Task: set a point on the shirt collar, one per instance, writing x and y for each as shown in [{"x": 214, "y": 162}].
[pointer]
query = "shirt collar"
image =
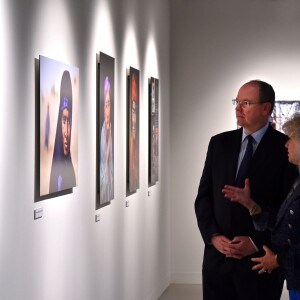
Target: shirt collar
[{"x": 257, "y": 135}]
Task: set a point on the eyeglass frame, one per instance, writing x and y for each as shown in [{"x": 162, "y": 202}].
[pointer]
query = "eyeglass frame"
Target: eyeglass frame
[{"x": 245, "y": 103}]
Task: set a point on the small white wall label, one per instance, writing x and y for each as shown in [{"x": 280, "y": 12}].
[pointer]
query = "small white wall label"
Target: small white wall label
[
  {"x": 97, "y": 217},
  {"x": 38, "y": 213}
]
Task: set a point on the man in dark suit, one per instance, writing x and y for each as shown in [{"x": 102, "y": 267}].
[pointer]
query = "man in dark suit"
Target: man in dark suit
[{"x": 226, "y": 227}]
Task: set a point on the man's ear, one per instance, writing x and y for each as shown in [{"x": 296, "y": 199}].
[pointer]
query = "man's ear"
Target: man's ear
[{"x": 267, "y": 107}]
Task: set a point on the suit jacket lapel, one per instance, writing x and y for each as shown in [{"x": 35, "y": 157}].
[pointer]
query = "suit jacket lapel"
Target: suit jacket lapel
[{"x": 234, "y": 154}]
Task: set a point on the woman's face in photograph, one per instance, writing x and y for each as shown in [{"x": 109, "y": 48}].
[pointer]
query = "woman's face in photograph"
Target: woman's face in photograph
[{"x": 66, "y": 131}]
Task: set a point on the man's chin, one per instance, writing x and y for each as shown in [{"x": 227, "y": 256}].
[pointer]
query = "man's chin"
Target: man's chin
[{"x": 239, "y": 122}]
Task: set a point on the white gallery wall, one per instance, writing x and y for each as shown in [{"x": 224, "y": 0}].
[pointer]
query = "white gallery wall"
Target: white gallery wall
[
  {"x": 66, "y": 255},
  {"x": 216, "y": 46}
]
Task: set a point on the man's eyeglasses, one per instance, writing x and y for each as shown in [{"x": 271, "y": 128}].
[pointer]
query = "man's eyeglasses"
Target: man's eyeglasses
[{"x": 244, "y": 104}]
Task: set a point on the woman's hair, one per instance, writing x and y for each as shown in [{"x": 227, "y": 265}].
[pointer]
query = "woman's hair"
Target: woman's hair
[{"x": 292, "y": 126}]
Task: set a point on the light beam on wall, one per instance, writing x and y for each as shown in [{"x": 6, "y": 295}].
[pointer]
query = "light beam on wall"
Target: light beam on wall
[
  {"x": 130, "y": 58},
  {"x": 130, "y": 54},
  {"x": 151, "y": 64},
  {"x": 103, "y": 31},
  {"x": 54, "y": 36},
  {"x": 102, "y": 40},
  {"x": 150, "y": 70}
]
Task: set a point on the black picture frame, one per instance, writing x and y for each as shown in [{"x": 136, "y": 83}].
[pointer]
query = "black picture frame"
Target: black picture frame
[
  {"x": 105, "y": 130},
  {"x": 133, "y": 130},
  {"x": 153, "y": 165},
  {"x": 57, "y": 127}
]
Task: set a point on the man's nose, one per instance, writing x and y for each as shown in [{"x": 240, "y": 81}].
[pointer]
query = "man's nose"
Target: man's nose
[{"x": 238, "y": 107}]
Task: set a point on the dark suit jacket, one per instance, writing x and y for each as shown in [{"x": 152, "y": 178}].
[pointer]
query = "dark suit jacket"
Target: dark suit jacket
[
  {"x": 286, "y": 239},
  {"x": 271, "y": 177}
]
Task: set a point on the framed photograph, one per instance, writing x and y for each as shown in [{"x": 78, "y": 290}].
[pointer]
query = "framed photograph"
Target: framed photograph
[
  {"x": 282, "y": 111},
  {"x": 105, "y": 130},
  {"x": 58, "y": 143},
  {"x": 153, "y": 131},
  {"x": 133, "y": 111}
]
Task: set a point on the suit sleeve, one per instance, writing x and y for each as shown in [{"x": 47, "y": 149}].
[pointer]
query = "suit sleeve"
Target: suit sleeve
[{"x": 204, "y": 202}]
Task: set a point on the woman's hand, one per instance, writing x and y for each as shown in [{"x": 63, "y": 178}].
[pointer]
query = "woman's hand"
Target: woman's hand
[
  {"x": 266, "y": 263},
  {"x": 239, "y": 195}
]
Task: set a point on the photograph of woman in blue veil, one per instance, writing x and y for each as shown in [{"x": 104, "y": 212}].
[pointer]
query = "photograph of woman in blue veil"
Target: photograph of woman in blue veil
[{"x": 62, "y": 171}]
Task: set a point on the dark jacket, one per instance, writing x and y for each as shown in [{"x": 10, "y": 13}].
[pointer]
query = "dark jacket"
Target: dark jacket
[
  {"x": 286, "y": 239},
  {"x": 270, "y": 174}
]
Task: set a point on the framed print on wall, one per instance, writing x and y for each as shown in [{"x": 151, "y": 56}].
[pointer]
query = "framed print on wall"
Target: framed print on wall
[
  {"x": 59, "y": 96},
  {"x": 282, "y": 111},
  {"x": 133, "y": 111},
  {"x": 153, "y": 131},
  {"x": 105, "y": 131}
]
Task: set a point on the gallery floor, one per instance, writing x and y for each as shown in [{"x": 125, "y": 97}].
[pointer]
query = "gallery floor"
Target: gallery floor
[{"x": 192, "y": 292}]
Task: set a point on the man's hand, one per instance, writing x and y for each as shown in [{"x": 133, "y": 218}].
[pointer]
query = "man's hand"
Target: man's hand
[
  {"x": 239, "y": 247},
  {"x": 221, "y": 242}
]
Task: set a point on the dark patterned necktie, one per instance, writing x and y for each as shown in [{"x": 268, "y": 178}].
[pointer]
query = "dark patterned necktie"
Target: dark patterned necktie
[{"x": 241, "y": 176}]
